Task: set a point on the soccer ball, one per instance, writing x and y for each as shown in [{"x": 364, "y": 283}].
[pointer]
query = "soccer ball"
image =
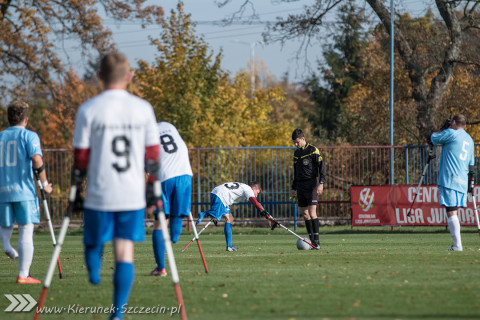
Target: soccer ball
[{"x": 301, "y": 245}]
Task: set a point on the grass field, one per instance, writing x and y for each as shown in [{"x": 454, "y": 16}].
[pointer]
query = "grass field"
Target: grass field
[{"x": 359, "y": 274}]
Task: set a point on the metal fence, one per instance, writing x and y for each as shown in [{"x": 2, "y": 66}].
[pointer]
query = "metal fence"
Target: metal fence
[{"x": 272, "y": 167}]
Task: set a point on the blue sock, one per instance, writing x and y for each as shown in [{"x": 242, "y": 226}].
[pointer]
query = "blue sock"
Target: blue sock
[
  {"x": 159, "y": 249},
  {"x": 175, "y": 228},
  {"x": 201, "y": 215},
  {"x": 93, "y": 260},
  {"x": 228, "y": 234},
  {"x": 122, "y": 284}
]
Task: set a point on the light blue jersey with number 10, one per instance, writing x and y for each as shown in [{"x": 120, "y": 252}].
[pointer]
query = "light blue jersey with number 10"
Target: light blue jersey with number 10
[
  {"x": 457, "y": 156},
  {"x": 17, "y": 146}
]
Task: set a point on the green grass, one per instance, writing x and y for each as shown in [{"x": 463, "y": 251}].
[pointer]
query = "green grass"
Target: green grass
[{"x": 359, "y": 274}]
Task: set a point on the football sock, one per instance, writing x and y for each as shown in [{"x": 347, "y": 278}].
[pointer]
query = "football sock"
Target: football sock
[
  {"x": 316, "y": 226},
  {"x": 175, "y": 228},
  {"x": 309, "y": 226},
  {"x": 25, "y": 249},
  {"x": 228, "y": 234},
  {"x": 122, "y": 283},
  {"x": 159, "y": 248},
  {"x": 5, "y": 235},
  {"x": 201, "y": 215},
  {"x": 93, "y": 260},
  {"x": 454, "y": 226}
]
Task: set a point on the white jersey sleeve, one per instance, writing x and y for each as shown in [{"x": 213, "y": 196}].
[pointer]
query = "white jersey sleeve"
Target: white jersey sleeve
[
  {"x": 117, "y": 127},
  {"x": 233, "y": 192},
  {"x": 174, "y": 160}
]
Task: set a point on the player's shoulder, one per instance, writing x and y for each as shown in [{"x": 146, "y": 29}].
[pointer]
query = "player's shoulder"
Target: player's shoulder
[
  {"x": 312, "y": 149},
  {"x": 31, "y": 134},
  {"x": 245, "y": 186},
  {"x": 467, "y": 135},
  {"x": 164, "y": 125}
]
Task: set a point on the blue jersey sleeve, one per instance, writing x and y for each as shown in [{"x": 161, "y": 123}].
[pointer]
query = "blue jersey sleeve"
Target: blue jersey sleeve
[
  {"x": 443, "y": 137},
  {"x": 33, "y": 144}
]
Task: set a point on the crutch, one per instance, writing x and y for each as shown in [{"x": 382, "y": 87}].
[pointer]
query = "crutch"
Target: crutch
[
  {"x": 198, "y": 242},
  {"x": 476, "y": 213},
  {"x": 57, "y": 249},
  {"x": 171, "y": 257},
  {"x": 49, "y": 221},
  {"x": 431, "y": 156},
  {"x": 269, "y": 217},
  {"x": 196, "y": 237}
]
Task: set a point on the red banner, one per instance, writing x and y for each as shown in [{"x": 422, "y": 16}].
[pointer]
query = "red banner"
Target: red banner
[{"x": 388, "y": 206}]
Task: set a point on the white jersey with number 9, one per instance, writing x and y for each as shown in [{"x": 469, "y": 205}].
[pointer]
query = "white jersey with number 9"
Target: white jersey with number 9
[{"x": 117, "y": 127}]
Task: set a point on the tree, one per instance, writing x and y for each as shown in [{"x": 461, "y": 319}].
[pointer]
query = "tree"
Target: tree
[
  {"x": 56, "y": 122},
  {"x": 344, "y": 68},
  {"x": 429, "y": 81},
  {"x": 30, "y": 31},
  {"x": 367, "y": 106},
  {"x": 188, "y": 88}
]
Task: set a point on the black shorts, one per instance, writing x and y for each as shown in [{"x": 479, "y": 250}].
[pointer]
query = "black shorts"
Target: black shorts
[{"x": 307, "y": 193}]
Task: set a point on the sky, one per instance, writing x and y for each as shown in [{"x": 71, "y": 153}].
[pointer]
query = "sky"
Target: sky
[{"x": 238, "y": 41}]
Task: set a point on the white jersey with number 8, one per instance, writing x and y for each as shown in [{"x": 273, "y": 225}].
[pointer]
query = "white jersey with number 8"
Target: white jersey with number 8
[
  {"x": 174, "y": 161},
  {"x": 117, "y": 127}
]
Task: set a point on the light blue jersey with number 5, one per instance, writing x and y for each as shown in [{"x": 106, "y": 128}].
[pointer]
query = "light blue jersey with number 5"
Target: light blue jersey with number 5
[
  {"x": 17, "y": 146},
  {"x": 456, "y": 157}
]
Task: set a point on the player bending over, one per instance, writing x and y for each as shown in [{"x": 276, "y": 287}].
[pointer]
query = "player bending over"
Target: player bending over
[{"x": 223, "y": 196}]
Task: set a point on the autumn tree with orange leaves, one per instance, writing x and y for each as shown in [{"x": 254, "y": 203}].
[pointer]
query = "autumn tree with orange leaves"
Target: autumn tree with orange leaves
[
  {"x": 32, "y": 31},
  {"x": 188, "y": 88}
]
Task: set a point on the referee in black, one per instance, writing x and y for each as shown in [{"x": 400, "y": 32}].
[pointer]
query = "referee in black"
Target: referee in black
[{"x": 308, "y": 178}]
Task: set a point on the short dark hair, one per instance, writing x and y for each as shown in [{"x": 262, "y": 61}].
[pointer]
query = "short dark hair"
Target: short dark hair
[
  {"x": 255, "y": 184},
  {"x": 17, "y": 112},
  {"x": 460, "y": 120},
  {"x": 114, "y": 66},
  {"x": 297, "y": 133}
]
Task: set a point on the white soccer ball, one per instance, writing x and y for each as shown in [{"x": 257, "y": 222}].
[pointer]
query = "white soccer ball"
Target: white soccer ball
[{"x": 301, "y": 245}]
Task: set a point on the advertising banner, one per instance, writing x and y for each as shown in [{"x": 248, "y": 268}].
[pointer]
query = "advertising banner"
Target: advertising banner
[{"x": 388, "y": 205}]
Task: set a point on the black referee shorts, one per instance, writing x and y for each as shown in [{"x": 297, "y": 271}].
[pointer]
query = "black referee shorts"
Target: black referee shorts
[{"x": 307, "y": 193}]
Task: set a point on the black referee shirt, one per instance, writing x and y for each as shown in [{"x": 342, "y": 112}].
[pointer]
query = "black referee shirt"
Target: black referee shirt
[{"x": 307, "y": 164}]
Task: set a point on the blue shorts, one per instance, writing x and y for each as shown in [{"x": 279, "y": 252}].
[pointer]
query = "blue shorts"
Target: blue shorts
[
  {"x": 217, "y": 209},
  {"x": 104, "y": 226},
  {"x": 177, "y": 196},
  {"x": 451, "y": 198},
  {"x": 23, "y": 212}
]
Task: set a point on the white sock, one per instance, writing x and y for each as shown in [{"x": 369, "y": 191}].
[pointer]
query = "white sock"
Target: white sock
[
  {"x": 454, "y": 226},
  {"x": 25, "y": 249},
  {"x": 5, "y": 235}
]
